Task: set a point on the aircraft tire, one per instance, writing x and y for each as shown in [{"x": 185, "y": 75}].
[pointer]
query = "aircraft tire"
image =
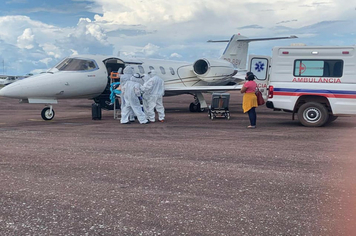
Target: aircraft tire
[
  {"x": 46, "y": 115},
  {"x": 193, "y": 107}
]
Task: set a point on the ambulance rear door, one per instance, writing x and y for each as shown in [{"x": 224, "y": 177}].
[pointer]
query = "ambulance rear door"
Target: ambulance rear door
[{"x": 260, "y": 65}]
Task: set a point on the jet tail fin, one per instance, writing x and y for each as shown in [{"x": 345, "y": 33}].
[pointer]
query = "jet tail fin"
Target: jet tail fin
[{"x": 237, "y": 48}]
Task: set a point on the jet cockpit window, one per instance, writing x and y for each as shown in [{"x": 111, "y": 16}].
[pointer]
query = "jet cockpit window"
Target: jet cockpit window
[
  {"x": 74, "y": 64},
  {"x": 163, "y": 71}
]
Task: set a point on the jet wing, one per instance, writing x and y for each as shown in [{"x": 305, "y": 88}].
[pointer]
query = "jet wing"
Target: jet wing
[{"x": 202, "y": 88}]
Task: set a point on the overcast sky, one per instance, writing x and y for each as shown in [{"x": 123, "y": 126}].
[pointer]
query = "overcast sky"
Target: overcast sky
[{"x": 35, "y": 35}]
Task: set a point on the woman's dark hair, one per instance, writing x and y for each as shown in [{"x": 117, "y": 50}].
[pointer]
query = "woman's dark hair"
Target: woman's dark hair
[{"x": 250, "y": 76}]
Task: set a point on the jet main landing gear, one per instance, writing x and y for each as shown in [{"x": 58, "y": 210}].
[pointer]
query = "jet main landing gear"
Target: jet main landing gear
[{"x": 196, "y": 106}]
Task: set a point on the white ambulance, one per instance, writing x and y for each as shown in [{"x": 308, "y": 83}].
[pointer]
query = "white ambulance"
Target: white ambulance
[{"x": 316, "y": 83}]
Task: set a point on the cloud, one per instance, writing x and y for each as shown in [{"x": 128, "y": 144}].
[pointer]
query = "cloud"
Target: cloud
[
  {"x": 38, "y": 42},
  {"x": 16, "y": 1},
  {"x": 286, "y": 21},
  {"x": 175, "y": 55},
  {"x": 251, "y": 27},
  {"x": 46, "y": 61},
  {"x": 92, "y": 31},
  {"x": 149, "y": 50},
  {"x": 161, "y": 29},
  {"x": 26, "y": 40}
]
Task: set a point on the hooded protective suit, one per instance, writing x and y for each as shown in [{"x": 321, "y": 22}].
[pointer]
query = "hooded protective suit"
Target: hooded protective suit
[
  {"x": 137, "y": 78},
  {"x": 153, "y": 91},
  {"x": 128, "y": 73},
  {"x": 132, "y": 92}
]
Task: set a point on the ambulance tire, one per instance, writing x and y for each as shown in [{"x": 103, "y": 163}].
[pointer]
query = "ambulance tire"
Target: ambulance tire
[
  {"x": 313, "y": 114},
  {"x": 331, "y": 118}
]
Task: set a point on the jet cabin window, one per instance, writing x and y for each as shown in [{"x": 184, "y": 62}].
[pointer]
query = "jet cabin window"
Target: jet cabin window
[
  {"x": 172, "y": 70},
  {"x": 73, "y": 64},
  {"x": 163, "y": 71},
  {"x": 140, "y": 68},
  {"x": 318, "y": 68}
]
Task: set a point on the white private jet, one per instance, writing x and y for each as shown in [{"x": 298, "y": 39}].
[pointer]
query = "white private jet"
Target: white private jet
[{"x": 87, "y": 76}]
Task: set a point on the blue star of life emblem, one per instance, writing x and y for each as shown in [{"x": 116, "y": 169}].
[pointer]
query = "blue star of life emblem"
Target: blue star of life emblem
[{"x": 259, "y": 66}]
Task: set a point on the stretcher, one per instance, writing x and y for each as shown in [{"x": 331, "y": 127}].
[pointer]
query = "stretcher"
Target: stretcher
[{"x": 219, "y": 106}]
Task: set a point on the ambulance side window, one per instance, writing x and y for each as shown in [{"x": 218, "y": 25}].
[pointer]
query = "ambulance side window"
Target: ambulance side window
[{"x": 318, "y": 68}]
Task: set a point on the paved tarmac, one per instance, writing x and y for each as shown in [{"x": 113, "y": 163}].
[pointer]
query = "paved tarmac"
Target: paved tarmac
[{"x": 187, "y": 176}]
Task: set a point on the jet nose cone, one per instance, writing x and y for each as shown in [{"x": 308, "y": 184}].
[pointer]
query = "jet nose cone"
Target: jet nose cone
[
  {"x": 10, "y": 91},
  {"x": 2, "y": 93}
]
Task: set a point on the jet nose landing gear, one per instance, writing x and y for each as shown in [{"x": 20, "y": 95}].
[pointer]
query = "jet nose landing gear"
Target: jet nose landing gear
[{"x": 47, "y": 113}]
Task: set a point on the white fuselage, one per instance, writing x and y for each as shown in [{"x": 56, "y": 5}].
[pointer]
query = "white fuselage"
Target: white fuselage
[{"x": 61, "y": 84}]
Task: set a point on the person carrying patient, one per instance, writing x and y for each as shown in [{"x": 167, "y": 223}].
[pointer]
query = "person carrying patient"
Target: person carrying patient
[
  {"x": 131, "y": 92},
  {"x": 153, "y": 91}
]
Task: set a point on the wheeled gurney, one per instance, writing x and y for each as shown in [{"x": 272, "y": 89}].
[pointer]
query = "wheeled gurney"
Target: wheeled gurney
[{"x": 219, "y": 106}]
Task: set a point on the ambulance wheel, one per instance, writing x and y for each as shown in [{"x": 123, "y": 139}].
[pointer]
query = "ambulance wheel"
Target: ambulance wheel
[
  {"x": 227, "y": 115},
  {"x": 46, "y": 114},
  {"x": 313, "y": 114},
  {"x": 332, "y": 118}
]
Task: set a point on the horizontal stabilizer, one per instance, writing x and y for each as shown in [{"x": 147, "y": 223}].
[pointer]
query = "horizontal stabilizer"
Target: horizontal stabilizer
[
  {"x": 252, "y": 39},
  {"x": 264, "y": 39},
  {"x": 218, "y": 41}
]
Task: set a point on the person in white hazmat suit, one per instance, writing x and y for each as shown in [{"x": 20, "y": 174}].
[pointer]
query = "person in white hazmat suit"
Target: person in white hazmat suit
[
  {"x": 137, "y": 78},
  {"x": 132, "y": 92},
  {"x": 153, "y": 91},
  {"x": 126, "y": 76},
  {"x": 145, "y": 78}
]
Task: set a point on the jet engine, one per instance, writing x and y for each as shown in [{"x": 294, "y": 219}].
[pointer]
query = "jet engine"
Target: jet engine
[{"x": 210, "y": 70}]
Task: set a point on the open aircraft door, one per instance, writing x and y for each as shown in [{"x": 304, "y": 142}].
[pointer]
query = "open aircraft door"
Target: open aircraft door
[{"x": 260, "y": 65}]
